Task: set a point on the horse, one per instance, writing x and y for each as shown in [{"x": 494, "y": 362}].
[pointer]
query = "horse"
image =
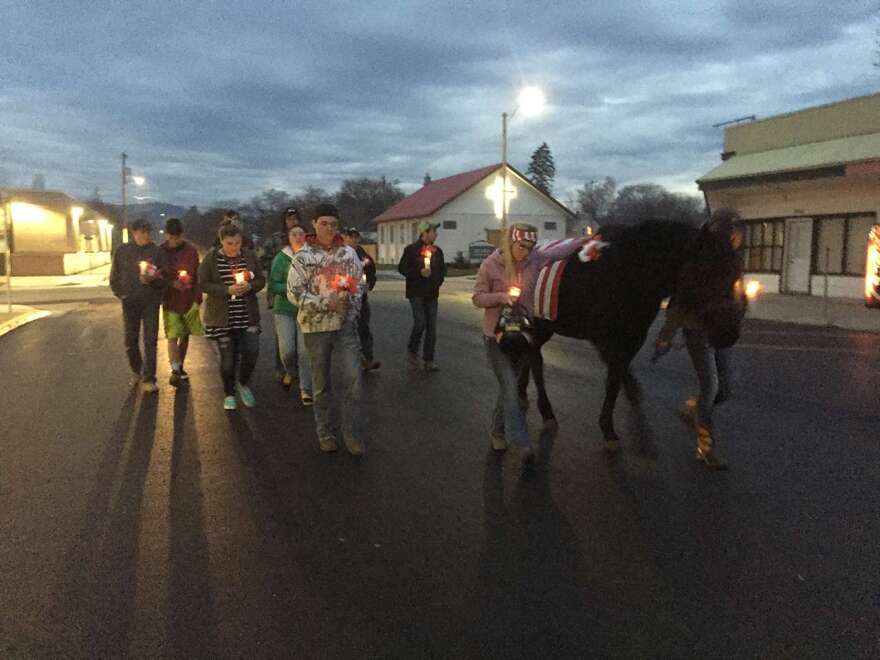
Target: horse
[{"x": 612, "y": 298}]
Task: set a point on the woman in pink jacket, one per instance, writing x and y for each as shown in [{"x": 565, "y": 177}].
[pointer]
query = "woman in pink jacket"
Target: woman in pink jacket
[{"x": 492, "y": 293}]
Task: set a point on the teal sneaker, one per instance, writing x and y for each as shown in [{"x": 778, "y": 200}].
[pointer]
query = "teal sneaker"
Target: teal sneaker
[
  {"x": 247, "y": 397},
  {"x": 229, "y": 403}
]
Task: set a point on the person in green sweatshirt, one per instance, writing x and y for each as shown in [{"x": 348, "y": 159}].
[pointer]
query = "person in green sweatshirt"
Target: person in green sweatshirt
[{"x": 291, "y": 346}]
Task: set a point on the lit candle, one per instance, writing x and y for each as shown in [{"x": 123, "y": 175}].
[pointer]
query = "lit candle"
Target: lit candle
[
  {"x": 426, "y": 254},
  {"x": 143, "y": 265},
  {"x": 515, "y": 292},
  {"x": 239, "y": 277},
  {"x": 753, "y": 289}
]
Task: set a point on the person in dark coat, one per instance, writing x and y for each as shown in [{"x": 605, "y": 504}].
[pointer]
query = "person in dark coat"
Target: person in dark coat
[
  {"x": 352, "y": 238},
  {"x": 424, "y": 268},
  {"x": 137, "y": 279}
]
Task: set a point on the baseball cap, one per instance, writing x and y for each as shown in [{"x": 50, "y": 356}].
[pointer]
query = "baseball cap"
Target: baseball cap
[
  {"x": 424, "y": 226},
  {"x": 352, "y": 231},
  {"x": 292, "y": 211}
]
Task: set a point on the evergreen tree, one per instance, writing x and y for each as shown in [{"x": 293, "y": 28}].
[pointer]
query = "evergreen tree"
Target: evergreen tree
[
  {"x": 542, "y": 170},
  {"x": 427, "y": 179}
]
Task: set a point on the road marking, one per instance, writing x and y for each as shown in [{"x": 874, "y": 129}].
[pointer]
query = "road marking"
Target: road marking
[{"x": 21, "y": 320}]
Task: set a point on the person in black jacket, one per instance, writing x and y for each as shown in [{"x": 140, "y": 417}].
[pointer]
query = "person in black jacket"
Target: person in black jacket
[
  {"x": 137, "y": 278},
  {"x": 423, "y": 267},
  {"x": 352, "y": 238}
]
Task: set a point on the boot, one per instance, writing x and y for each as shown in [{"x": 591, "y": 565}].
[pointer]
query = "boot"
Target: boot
[{"x": 706, "y": 453}]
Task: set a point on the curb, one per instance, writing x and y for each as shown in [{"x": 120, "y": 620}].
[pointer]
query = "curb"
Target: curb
[{"x": 22, "y": 319}]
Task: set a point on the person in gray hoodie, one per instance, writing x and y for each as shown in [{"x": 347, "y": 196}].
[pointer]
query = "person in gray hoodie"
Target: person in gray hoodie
[{"x": 137, "y": 278}]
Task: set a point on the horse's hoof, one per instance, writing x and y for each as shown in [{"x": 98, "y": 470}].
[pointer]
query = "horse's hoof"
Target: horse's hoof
[
  {"x": 612, "y": 445},
  {"x": 550, "y": 424}
]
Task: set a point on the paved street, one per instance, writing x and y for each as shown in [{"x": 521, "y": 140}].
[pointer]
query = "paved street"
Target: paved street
[{"x": 161, "y": 526}]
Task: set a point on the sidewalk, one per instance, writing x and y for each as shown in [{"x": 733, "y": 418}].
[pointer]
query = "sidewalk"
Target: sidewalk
[
  {"x": 846, "y": 313},
  {"x": 20, "y": 315},
  {"x": 99, "y": 276}
]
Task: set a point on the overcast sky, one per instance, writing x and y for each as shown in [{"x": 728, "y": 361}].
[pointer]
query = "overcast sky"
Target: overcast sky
[{"x": 222, "y": 100}]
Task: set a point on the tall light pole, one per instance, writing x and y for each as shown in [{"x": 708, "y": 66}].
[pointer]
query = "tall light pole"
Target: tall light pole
[
  {"x": 531, "y": 101},
  {"x": 139, "y": 181},
  {"x": 125, "y": 173}
]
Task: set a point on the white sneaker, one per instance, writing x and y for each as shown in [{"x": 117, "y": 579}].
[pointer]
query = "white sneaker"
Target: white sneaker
[
  {"x": 229, "y": 403},
  {"x": 247, "y": 397}
]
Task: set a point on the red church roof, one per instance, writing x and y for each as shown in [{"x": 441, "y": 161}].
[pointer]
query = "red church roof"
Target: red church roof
[{"x": 435, "y": 195}]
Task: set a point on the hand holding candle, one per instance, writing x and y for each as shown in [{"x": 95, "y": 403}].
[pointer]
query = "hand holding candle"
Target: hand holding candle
[
  {"x": 515, "y": 293},
  {"x": 753, "y": 290}
]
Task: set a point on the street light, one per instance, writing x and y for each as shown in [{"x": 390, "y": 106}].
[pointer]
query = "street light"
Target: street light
[
  {"x": 138, "y": 181},
  {"x": 531, "y": 101}
]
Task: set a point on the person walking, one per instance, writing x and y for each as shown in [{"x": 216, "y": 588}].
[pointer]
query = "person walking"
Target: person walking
[
  {"x": 291, "y": 346},
  {"x": 271, "y": 247},
  {"x": 180, "y": 303},
  {"x": 231, "y": 277},
  {"x": 503, "y": 296},
  {"x": 137, "y": 279},
  {"x": 424, "y": 268},
  {"x": 352, "y": 238},
  {"x": 325, "y": 284},
  {"x": 711, "y": 365}
]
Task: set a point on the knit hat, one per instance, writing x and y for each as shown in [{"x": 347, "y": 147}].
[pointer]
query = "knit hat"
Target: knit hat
[{"x": 523, "y": 232}]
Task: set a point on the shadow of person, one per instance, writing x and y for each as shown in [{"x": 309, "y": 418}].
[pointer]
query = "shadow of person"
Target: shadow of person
[
  {"x": 190, "y": 623},
  {"x": 109, "y": 590},
  {"x": 531, "y": 604}
]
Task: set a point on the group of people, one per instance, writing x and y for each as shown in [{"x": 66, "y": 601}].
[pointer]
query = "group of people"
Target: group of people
[{"x": 318, "y": 286}]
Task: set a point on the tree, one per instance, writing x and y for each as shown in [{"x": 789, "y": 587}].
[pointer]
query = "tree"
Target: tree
[
  {"x": 306, "y": 201},
  {"x": 645, "y": 201},
  {"x": 594, "y": 199},
  {"x": 427, "y": 179},
  {"x": 542, "y": 170},
  {"x": 361, "y": 200},
  {"x": 266, "y": 210}
]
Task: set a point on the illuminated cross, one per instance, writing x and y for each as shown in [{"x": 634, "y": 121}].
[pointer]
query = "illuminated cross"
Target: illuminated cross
[{"x": 493, "y": 193}]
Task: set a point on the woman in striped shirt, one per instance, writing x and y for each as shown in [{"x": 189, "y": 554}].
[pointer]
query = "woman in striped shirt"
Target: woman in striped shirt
[{"x": 231, "y": 276}]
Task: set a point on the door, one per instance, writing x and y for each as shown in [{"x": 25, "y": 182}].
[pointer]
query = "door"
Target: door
[{"x": 798, "y": 248}]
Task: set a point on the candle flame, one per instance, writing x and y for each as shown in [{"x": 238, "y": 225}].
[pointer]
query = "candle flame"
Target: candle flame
[
  {"x": 754, "y": 289},
  {"x": 239, "y": 277},
  {"x": 515, "y": 291}
]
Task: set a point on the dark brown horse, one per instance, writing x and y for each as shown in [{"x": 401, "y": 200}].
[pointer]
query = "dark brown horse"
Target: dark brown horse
[{"x": 613, "y": 300}]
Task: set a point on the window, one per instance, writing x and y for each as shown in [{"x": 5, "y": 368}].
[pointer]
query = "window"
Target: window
[
  {"x": 550, "y": 226},
  {"x": 857, "y": 243},
  {"x": 415, "y": 233},
  {"x": 762, "y": 246},
  {"x": 381, "y": 233},
  {"x": 391, "y": 234},
  {"x": 829, "y": 253},
  {"x": 450, "y": 224}
]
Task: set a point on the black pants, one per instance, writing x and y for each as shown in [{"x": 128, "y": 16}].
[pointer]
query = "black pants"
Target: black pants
[
  {"x": 364, "y": 332},
  {"x": 239, "y": 351},
  {"x": 137, "y": 312}
]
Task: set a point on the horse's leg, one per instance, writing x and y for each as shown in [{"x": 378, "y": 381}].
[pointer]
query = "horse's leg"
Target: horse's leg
[
  {"x": 613, "y": 381},
  {"x": 544, "y": 406},
  {"x": 633, "y": 391},
  {"x": 524, "y": 366}
]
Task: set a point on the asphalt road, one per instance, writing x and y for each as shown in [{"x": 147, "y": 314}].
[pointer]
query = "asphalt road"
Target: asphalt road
[{"x": 160, "y": 526}]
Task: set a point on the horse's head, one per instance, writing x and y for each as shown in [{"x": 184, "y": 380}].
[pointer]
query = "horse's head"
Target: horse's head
[{"x": 711, "y": 285}]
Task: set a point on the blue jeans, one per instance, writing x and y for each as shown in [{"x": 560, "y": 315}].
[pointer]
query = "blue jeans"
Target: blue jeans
[
  {"x": 424, "y": 321},
  {"x": 292, "y": 349},
  {"x": 136, "y": 311},
  {"x": 507, "y": 418},
  {"x": 713, "y": 373},
  {"x": 321, "y": 347},
  {"x": 239, "y": 351}
]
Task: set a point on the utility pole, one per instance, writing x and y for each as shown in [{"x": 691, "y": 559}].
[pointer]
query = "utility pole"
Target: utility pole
[
  {"x": 124, "y": 201},
  {"x": 7, "y": 248}
]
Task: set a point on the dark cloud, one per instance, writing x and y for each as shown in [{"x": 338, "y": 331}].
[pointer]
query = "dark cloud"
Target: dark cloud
[{"x": 223, "y": 100}]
